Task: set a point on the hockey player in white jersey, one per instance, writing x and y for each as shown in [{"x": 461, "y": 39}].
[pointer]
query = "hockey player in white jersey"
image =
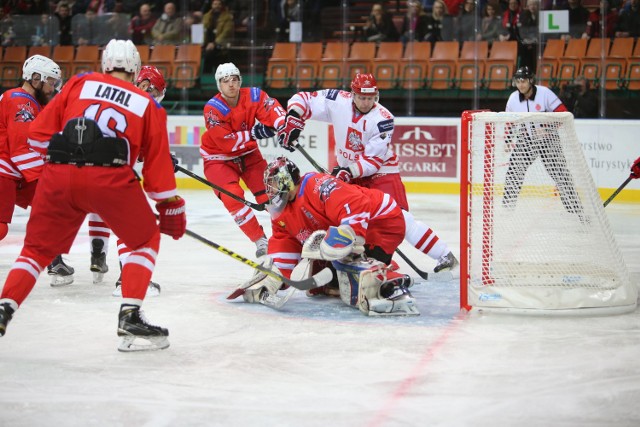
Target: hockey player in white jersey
[{"x": 363, "y": 131}]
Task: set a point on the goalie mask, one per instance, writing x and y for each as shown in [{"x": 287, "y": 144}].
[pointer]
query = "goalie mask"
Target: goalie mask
[{"x": 280, "y": 179}]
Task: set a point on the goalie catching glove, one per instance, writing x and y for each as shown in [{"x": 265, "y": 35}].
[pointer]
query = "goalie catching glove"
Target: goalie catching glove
[
  {"x": 290, "y": 132},
  {"x": 173, "y": 218},
  {"x": 340, "y": 242}
]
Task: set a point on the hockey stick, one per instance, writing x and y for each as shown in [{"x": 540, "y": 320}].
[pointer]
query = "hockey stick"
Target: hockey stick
[
  {"x": 315, "y": 281},
  {"x": 615, "y": 193},
  {"x": 415, "y": 268},
  {"x": 256, "y": 206}
]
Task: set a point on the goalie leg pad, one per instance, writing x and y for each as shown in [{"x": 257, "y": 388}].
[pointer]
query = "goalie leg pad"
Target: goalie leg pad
[{"x": 350, "y": 274}]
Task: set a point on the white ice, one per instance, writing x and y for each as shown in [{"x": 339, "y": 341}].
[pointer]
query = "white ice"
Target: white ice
[{"x": 317, "y": 362}]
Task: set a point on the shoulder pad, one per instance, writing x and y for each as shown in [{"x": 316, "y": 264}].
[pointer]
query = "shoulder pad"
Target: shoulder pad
[{"x": 216, "y": 104}]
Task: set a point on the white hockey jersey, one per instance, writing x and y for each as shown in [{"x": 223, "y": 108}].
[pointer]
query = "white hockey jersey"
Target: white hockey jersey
[
  {"x": 363, "y": 141},
  {"x": 543, "y": 100}
]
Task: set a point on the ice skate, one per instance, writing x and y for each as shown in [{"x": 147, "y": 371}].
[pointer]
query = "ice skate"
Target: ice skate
[
  {"x": 446, "y": 263},
  {"x": 6, "y": 314},
  {"x": 394, "y": 298},
  {"x": 137, "y": 333},
  {"x": 261, "y": 247},
  {"x": 61, "y": 274},
  {"x": 153, "y": 290},
  {"x": 98, "y": 260}
]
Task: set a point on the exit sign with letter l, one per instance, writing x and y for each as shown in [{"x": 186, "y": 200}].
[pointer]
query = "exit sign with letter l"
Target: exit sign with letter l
[{"x": 554, "y": 21}]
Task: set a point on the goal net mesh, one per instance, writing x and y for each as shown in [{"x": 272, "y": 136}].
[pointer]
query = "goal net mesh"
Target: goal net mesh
[{"x": 537, "y": 235}]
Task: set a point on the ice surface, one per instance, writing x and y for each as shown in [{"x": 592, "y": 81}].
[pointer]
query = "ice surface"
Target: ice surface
[{"x": 316, "y": 363}]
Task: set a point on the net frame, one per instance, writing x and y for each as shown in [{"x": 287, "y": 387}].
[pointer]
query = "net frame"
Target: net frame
[{"x": 566, "y": 261}]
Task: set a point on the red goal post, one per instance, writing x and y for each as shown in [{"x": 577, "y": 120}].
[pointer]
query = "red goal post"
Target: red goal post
[{"x": 534, "y": 236}]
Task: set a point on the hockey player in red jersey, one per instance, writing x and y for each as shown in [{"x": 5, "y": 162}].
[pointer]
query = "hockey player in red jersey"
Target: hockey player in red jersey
[
  {"x": 20, "y": 166},
  {"x": 363, "y": 131},
  {"x": 229, "y": 146},
  {"x": 150, "y": 80},
  {"x": 93, "y": 131},
  {"x": 321, "y": 217}
]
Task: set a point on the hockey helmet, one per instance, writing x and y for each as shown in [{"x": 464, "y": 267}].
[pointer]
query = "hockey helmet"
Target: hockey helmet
[
  {"x": 280, "y": 178},
  {"x": 364, "y": 84},
  {"x": 121, "y": 55},
  {"x": 226, "y": 70},
  {"x": 45, "y": 67},
  {"x": 157, "y": 85},
  {"x": 523, "y": 73}
]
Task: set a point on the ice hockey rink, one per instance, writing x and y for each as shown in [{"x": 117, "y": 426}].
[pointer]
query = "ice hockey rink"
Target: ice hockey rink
[{"x": 315, "y": 363}]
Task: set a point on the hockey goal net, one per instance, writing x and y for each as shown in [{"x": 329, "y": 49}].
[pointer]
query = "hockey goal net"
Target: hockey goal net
[{"x": 534, "y": 235}]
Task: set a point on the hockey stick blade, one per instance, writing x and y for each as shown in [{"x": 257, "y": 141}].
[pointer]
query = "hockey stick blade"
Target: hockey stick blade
[
  {"x": 256, "y": 206},
  {"x": 315, "y": 281}
]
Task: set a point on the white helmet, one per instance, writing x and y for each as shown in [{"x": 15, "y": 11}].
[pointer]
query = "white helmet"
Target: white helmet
[
  {"x": 225, "y": 70},
  {"x": 121, "y": 55},
  {"x": 44, "y": 66}
]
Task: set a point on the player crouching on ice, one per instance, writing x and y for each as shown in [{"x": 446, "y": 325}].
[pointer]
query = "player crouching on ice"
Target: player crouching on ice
[{"x": 318, "y": 218}]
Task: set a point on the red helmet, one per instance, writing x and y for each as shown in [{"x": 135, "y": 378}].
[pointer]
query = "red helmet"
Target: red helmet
[
  {"x": 156, "y": 81},
  {"x": 364, "y": 84}
]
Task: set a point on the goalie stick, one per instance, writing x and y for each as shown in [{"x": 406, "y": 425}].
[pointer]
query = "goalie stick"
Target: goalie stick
[
  {"x": 256, "y": 206},
  {"x": 423, "y": 274},
  {"x": 315, "y": 281}
]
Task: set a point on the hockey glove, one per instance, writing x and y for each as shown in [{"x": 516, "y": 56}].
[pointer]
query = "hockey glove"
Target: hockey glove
[
  {"x": 173, "y": 218},
  {"x": 260, "y": 131},
  {"x": 635, "y": 169},
  {"x": 340, "y": 242},
  {"x": 343, "y": 174},
  {"x": 288, "y": 135},
  {"x": 175, "y": 161}
]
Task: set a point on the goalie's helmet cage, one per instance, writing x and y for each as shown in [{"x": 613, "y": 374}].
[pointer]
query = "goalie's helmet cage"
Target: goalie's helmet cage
[
  {"x": 156, "y": 80},
  {"x": 280, "y": 178},
  {"x": 121, "y": 55},
  {"x": 225, "y": 70},
  {"x": 45, "y": 67}
]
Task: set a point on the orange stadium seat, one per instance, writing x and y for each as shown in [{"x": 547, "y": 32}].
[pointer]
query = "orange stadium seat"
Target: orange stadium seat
[
  {"x": 414, "y": 64},
  {"x": 307, "y": 65},
  {"x": 280, "y": 65},
  {"x": 386, "y": 64}
]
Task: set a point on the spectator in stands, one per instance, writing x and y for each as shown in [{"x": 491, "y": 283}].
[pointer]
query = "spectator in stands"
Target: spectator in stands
[
  {"x": 580, "y": 99},
  {"x": 554, "y": 5},
  {"x": 168, "y": 29},
  {"x": 85, "y": 29},
  {"x": 466, "y": 22},
  {"x": 491, "y": 26},
  {"x": 629, "y": 21},
  {"x": 595, "y": 20},
  {"x": 578, "y": 17},
  {"x": 414, "y": 25},
  {"x": 453, "y": 7},
  {"x": 380, "y": 26},
  {"x": 291, "y": 12},
  {"x": 63, "y": 14},
  {"x": 141, "y": 25},
  {"x": 219, "y": 29},
  {"x": 510, "y": 21},
  {"x": 435, "y": 22},
  {"x": 528, "y": 24}
]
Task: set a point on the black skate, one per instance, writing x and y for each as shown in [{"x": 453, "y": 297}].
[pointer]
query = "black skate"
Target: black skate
[
  {"x": 98, "y": 260},
  {"x": 6, "y": 314},
  {"x": 61, "y": 274},
  {"x": 153, "y": 290},
  {"x": 137, "y": 334},
  {"x": 446, "y": 263}
]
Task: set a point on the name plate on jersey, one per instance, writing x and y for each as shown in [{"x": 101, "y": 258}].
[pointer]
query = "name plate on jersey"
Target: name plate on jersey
[{"x": 124, "y": 98}]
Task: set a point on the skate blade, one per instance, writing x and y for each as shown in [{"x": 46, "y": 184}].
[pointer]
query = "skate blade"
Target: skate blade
[
  {"x": 97, "y": 277},
  {"x": 136, "y": 343},
  {"x": 57, "y": 281},
  {"x": 152, "y": 291},
  {"x": 413, "y": 312}
]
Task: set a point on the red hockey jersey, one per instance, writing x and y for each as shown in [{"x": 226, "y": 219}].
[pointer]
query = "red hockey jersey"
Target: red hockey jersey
[
  {"x": 323, "y": 201},
  {"x": 17, "y": 160},
  {"x": 121, "y": 110},
  {"x": 228, "y": 132}
]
